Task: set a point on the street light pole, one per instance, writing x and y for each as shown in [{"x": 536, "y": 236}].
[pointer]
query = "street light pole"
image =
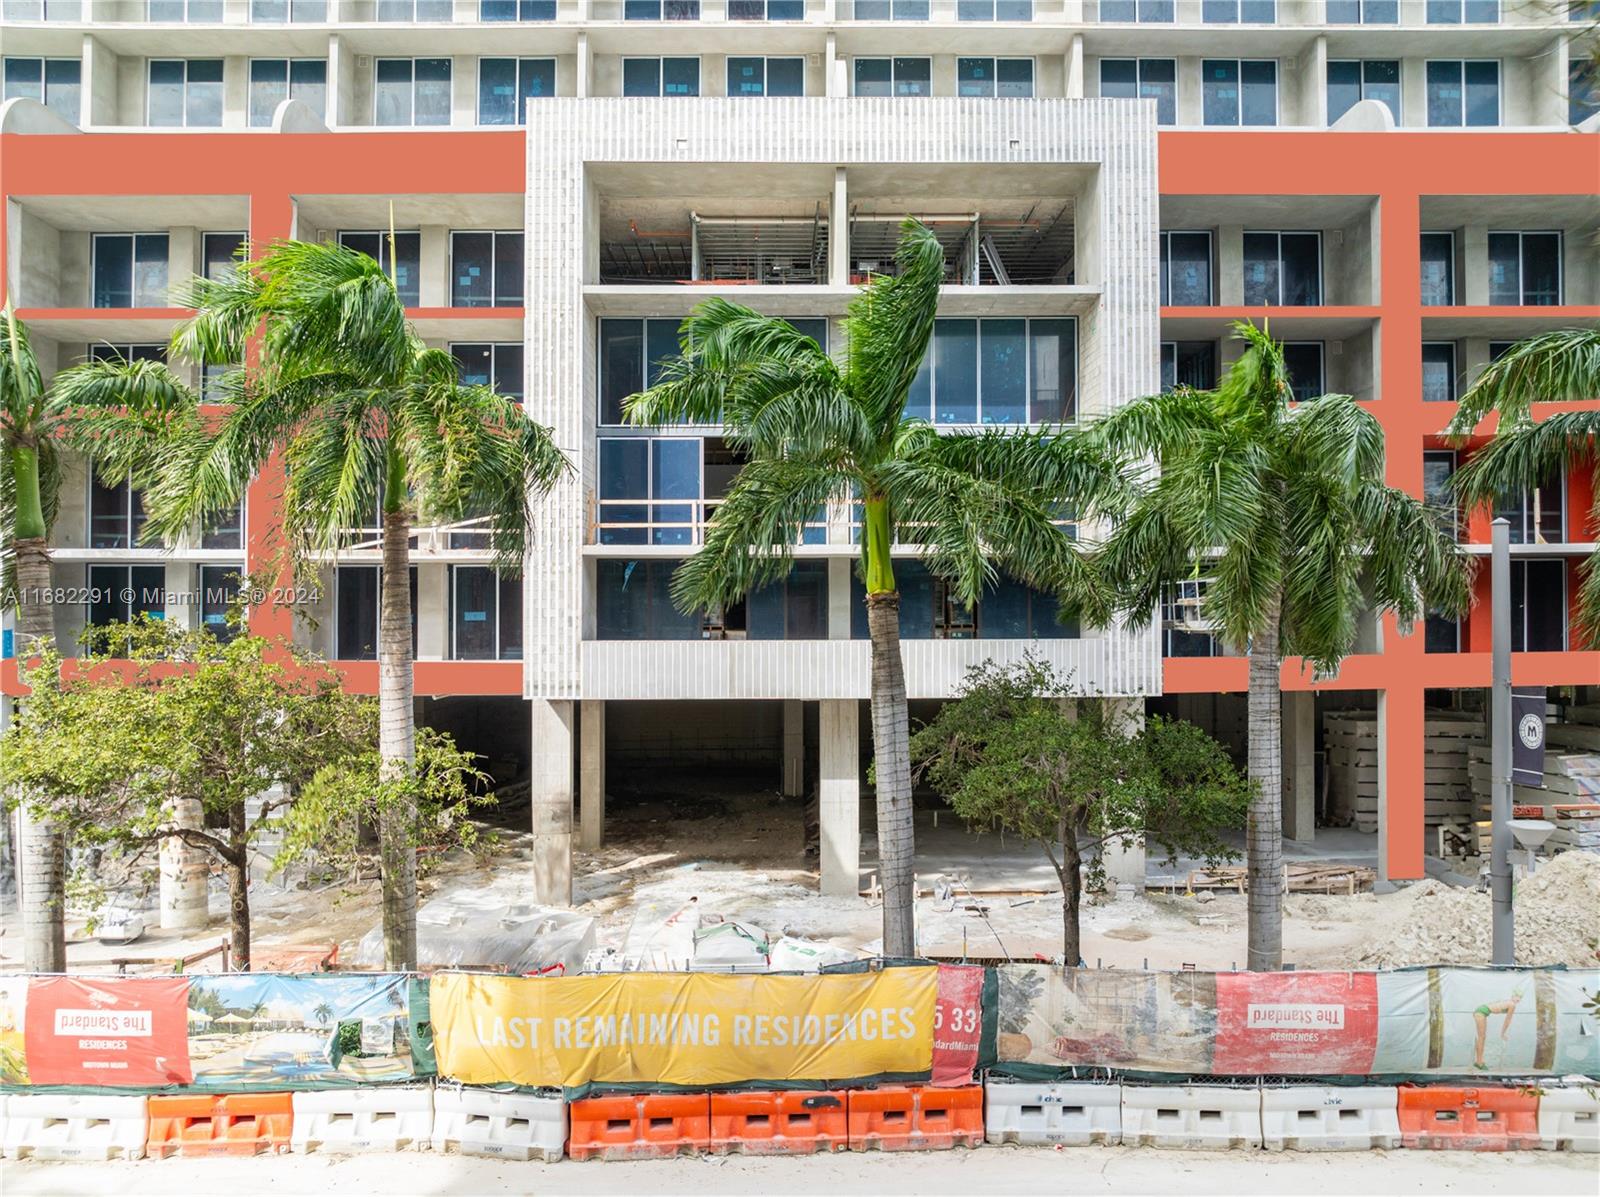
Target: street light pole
[{"x": 1503, "y": 952}]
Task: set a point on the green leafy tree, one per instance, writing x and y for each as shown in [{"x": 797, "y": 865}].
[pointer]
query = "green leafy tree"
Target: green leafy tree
[
  {"x": 364, "y": 418},
  {"x": 1008, "y": 753},
  {"x": 151, "y": 716},
  {"x": 1556, "y": 366},
  {"x": 817, "y": 430},
  {"x": 1282, "y": 507}
]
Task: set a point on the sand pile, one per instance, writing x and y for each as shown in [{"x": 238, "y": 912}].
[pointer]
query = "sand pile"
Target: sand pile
[{"x": 1557, "y": 920}]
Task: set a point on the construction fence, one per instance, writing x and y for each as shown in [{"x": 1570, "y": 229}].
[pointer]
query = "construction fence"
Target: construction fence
[{"x": 879, "y": 1055}]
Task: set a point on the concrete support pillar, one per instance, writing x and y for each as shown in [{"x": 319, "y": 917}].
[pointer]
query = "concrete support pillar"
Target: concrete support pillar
[
  {"x": 1125, "y": 858},
  {"x": 839, "y": 794},
  {"x": 550, "y": 795},
  {"x": 591, "y": 775},
  {"x": 839, "y": 229},
  {"x": 1299, "y": 766},
  {"x": 1401, "y": 836},
  {"x": 840, "y": 606},
  {"x": 184, "y": 873},
  {"x": 794, "y": 748},
  {"x": 585, "y": 67}
]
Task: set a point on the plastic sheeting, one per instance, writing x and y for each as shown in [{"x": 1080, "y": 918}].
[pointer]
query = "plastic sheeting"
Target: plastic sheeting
[{"x": 477, "y": 929}]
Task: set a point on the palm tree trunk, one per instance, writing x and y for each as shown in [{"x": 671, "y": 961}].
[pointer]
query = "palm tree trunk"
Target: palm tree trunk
[
  {"x": 1264, "y": 835},
  {"x": 239, "y": 888},
  {"x": 42, "y": 866},
  {"x": 891, "y": 751},
  {"x": 397, "y": 743}
]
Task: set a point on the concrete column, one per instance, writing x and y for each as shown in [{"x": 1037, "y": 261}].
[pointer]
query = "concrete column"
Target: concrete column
[
  {"x": 585, "y": 67},
  {"x": 839, "y": 792},
  {"x": 550, "y": 796},
  {"x": 1125, "y": 858},
  {"x": 1073, "y": 80},
  {"x": 591, "y": 775},
  {"x": 433, "y": 253},
  {"x": 839, "y": 229},
  {"x": 794, "y": 748},
  {"x": 184, "y": 872},
  {"x": 840, "y": 609},
  {"x": 1300, "y": 766}
]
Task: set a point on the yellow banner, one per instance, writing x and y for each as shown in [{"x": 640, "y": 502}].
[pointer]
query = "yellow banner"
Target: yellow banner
[{"x": 682, "y": 1028}]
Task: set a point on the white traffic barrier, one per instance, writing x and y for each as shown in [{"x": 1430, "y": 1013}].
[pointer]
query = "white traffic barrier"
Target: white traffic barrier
[
  {"x": 512, "y": 1126},
  {"x": 375, "y": 1119},
  {"x": 1569, "y": 1117},
  {"x": 1330, "y": 1117},
  {"x": 1073, "y": 1113},
  {"x": 73, "y": 1126},
  {"x": 1193, "y": 1116}
]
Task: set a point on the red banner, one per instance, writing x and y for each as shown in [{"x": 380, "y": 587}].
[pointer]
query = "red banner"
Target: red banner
[
  {"x": 957, "y": 1023},
  {"x": 1296, "y": 1024},
  {"x": 116, "y": 1031}
]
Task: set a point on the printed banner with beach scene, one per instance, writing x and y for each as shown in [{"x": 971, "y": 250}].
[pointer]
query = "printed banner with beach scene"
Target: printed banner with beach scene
[{"x": 304, "y": 1031}]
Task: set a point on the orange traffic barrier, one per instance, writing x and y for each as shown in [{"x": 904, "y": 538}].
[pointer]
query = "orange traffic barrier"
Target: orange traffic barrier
[
  {"x": 1444, "y": 1118},
  {"x": 786, "y": 1122},
  {"x": 226, "y": 1124},
  {"x": 639, "y": 1126},
  {"x": 915, "y": 1118}
]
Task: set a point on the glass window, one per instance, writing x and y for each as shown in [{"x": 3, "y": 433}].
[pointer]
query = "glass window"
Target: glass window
[
  {"x": 224, "y": 529},
  {"x": 517, "y": 10},
  {"x": 1185, "y": 259},
  {"x": 1438, "y": 269},
  {"x": 632, "y": 353},
  {"x": 661, "y": 10},
  {"x": 274, "y": 80},
  {"x": 485, "y": 615},
  {"x": 1373, "y": 79},
  {"x": 891, "y": 10},
  {"x": 1303, "y": 361},
  {"x": 407, "y": 254},
  {"x": 122, "y": 593},
  {"x": 185, "y": 92},
  {"x": 356, "y": 601},
  {"x": 994, "y": 10},
  {"x": 485, "y": 269},
  {"x": 1525, "y": 269},
  {"x": 660, "y": 76},
  {"x": 913, "y": 76},
  {"x": 1363, "y": 12},
  {"x": 1438, "y": 465},
  {"x": 1191, "y": 364},
  {"x": 194, "y": 12},
  {"x": 1145, "y": 11},
  {"x": 766, "y": 76},
  {"x": 874, "y": 77},
  {"x": 278, "y": 12},
  {"x": 57, "y": 83},
  {"x": 220, "y": 254},
  {"x": 506, "y": 84},
  {"x": 496, "y": 364},
  {"x": 116, "y": 515},
  {"x": 999, "y": 371},
  {"x": 1237, "y": 12},
  {"x": 634, "y": 602},
  {"x": 1439, "y": 371},
  {"x": 415, "y": 10},
  {"x": 1463, "y": 12},
  {"x": 1143, "y": 78},
  {"x": 1583, "y": 90},
  {"x": 130, "y": 270},
  {"x": 1536, "y": 515},
  {"x": 1239, "y": 92},
  {"x": 766, "y": 10},
  {"x": 219, "y": 586},
  {"x": 105, "y": 352},
  {"x": 989, "y": 77},
  {"x": 1463, "y": 94},
  {"x": 1538, "y": 606},
  {"x": 894, "y": 76},
  {"x": 792, "y": 608},
  {"x": 1283, "y": 268},
  {"x": 412, "y": 91}
]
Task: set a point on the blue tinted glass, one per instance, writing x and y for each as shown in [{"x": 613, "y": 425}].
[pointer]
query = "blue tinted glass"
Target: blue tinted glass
[
  {"x": 1344, "y": 88},
  {"x": 1003, "y": 612},
  {"x": 497, "y": 91},
  {"x": 1005, "y": 371},
  {"x": 624, "y": 469},
  {"x": 1220, "y": 92},
  {"x": 955, "y": 365},
  {"x": 1119, "y": 78}
]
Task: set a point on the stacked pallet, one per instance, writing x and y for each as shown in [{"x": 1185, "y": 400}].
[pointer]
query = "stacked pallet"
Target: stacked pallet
[
  {"x": 1570, "y": 795},
  {"x": 1351, "y": 741}
]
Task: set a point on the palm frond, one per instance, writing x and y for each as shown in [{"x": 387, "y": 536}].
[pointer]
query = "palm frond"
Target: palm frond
[
  {"x": 228, "y": 312},
  {"x": 1550, "y": 367},
  {"x": 1523, "y": 455},
  {"x": 1256, "y": 386},
  {"x": 1335, "y": 434},
  {"x": 23, "y": 401},
  {"x": 889, "y": 324},
  {"x": 1413, "y": 561},
  {"x": 335, "y": 465}
]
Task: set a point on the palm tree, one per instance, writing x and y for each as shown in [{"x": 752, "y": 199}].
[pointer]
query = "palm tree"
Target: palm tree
[
  {"x": 1283, "y": 508},
  {"x": 816, "y": 430},
  {"x": 1551, "y": 367},
  {"x": 363, "y": 417},
  {"x": 322, "y": 1013}
]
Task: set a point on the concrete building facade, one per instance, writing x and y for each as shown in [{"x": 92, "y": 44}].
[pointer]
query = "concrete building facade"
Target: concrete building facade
[{"x": 1400, "y": 187}]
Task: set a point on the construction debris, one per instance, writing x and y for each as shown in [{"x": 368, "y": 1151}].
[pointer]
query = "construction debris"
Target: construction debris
[{"x": 1297, "y": 878}]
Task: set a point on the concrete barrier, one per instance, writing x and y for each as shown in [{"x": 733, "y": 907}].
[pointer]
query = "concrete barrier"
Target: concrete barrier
[
  {"x": 1329, "y": 1117},
  {"x": 1210, "y": 1117},
  {"x": 376, "y": 1119},
  {"x": 1073, "y": 1113},
  {"x": 72, "y": 1126},
  {"x": 510, "y": 1126}
]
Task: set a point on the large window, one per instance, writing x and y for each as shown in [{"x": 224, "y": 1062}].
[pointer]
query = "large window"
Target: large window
[
  {"x": 517, "y": 10},
  {"x": 1191, "y": 364},
  {"x": 1350, "y": 82},
  {"x": 1239, "y": 91},
  {"x": 1438, "y": 466},
  {"x": 1438, "y": 269},
  {"x": 998, "y": 371},
  {"x": 1303, "y": 361},
  {"x": 1186, "y": 268},
  {"x": 281, "y": 12},
  {"x": 894, "y": 76},
  {"x": 224, "y": 529},
  {"x": 650, "y": 490},
  {"x": 357, "y": 591},
  {"x": 105, "y": 351},
  {"x": 991, "y": 77},
  {"x": 416, "y": 10},
  {"x": 1143, "y": 79},
  {"x": 633, "y": 601},
  {"x": 660, "y": 76},
  {"x": 1463, "y": 12},
  {"x": 1583, "y": 90},
  {"x": 661, "y": 10},
  {"x": 485, "y": 269},
  {"x": 407, "y": 258},
  {"x": 891, "y": 10},
  {"x": 485, "y": 615},
  {"x": 1238, "y": 12},
  {"x": 994, "y": 10},
  {"x": 130, "y": 270},
  {"x": 1184, "y": 629},
  {"x": 1525, "y": 269},
  {"x": 57, "y": 83},
  {"x": 930, "y": 610},
  {"x": 1439, "y": 371},
  {"x": 219, "y": 587},
  {"x": 45, "y": 10},
  {"x": 1463, "y": 94},
  {"x": 122, "y": 593},
  {"x": 505, "y": 85},
  {"x": 1147, "y": 11},
  {"x": 194, "y": 12},
  {"x": 1283, "y": 269},
  {"x": 274, "y": 80},
  {"x": 766, "y": 76},
  {"x": 185, "y": 92},
  {"x": 766, "y": 10},
  {"x": 1537, "y": 515},
  {"x": 1363, "y": 12},
  {"x": 631, "y": 353},
  {"x": 1538, "y": 605},
  {"x": 116, "y": 515},
  {"x": 219, "y": 254},
  {"x": 411, "y": 91},
  {"x": 496, "y": 364}
]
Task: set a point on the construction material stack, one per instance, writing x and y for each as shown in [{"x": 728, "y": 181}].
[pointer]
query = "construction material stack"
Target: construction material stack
[{"x": 1351, "y": 741}]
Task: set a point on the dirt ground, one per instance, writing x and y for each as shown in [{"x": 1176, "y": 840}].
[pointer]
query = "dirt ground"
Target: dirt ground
[{"x": 1116, "y": 1170}]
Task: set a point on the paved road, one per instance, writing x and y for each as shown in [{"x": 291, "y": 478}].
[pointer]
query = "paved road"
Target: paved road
[{"x": 1090, "y": 1170}]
